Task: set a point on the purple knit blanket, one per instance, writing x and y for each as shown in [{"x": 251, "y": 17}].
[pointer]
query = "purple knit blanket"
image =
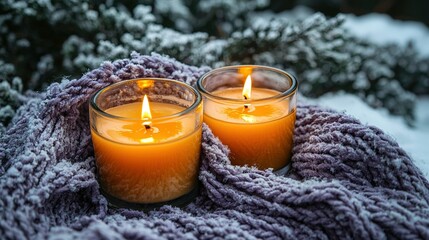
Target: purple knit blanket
[{"x": 347, "y": 180}]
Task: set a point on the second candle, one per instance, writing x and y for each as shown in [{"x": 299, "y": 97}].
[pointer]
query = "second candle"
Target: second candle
[{"x": 252, "y": 111}]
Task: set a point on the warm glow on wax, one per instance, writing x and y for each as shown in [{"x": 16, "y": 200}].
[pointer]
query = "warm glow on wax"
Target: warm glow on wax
[{"x": 247, "y": 88}]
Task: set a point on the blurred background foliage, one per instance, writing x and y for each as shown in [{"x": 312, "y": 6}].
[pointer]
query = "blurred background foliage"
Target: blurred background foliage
[{"x": 44, "y": 41}]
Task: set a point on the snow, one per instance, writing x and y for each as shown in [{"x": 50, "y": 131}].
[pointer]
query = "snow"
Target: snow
[{"x": 382, "y": 29}]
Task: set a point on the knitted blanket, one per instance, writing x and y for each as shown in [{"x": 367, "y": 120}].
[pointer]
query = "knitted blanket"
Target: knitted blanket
[{"x": 347, "y": 180}]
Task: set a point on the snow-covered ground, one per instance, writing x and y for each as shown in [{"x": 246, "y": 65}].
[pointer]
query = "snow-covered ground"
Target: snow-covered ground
[{"x": 382, "y": 29}]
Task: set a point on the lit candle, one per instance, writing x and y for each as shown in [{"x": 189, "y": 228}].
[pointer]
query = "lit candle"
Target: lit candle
[
  {"x": 255, "y": 122},
  {"x": 147, "y": 152}
]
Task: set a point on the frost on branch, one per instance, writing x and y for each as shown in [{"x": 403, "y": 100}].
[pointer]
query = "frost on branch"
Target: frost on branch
[
  {"x": 326, "y": 58},
  {"x": 10, "y": 94},
  {"x": 215, "y": 17},
  {"x": 43, "y": 41}
]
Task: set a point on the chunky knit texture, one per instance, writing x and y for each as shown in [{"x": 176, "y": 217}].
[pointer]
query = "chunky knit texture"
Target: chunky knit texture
[{"x": 347, "y": 180}]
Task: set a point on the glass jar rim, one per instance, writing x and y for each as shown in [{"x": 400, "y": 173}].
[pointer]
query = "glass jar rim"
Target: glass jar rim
[
  {"x": 290, "y": 91},
  {"x": 197, "y": 101}
]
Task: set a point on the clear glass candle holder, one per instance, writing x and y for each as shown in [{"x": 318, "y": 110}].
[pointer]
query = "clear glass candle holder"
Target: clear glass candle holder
[
  {"x": 146, "y": 159},
  {"x": 257, "y": 126}
]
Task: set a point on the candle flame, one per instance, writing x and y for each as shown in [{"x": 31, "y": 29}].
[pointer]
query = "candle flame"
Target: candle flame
[
  {"x": 247, "y": 89},
  {"x": 146, "y": 115}
]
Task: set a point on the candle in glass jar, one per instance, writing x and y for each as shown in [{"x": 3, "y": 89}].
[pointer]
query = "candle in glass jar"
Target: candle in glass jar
[
  {"x": 257, "y": 135},
  {"x": 148, "y": 152},
  {"x": 256, "y": 123}
]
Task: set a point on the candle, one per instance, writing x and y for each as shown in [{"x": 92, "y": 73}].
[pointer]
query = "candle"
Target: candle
[
  {"x": 255, "y": 117},
  {"x": 146, "y": 135},
  {"x": 261, "y": 136}
]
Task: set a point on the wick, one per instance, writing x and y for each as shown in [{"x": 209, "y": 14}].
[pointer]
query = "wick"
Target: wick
[
  {"x": 147, "y": 125},
  {"x": 246, "y": 105}
]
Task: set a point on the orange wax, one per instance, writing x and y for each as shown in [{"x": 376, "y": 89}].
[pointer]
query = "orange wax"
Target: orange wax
[
  {"x": 146, "y": 165},
  {"x": 259, "y": 135}
]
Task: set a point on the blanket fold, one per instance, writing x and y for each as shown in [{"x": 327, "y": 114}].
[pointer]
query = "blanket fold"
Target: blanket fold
[{"x": 347, "y": 180}]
